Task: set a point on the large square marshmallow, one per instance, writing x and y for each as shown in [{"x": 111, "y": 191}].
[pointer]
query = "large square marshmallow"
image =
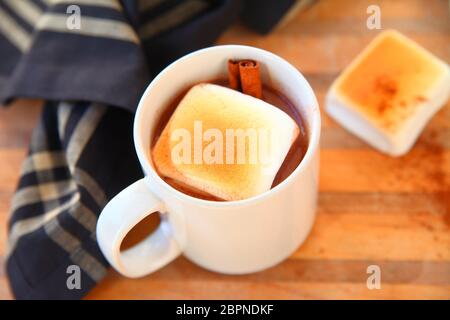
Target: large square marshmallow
[
  {"x": 199, "y": 147},
  {"x": 389, "y": 92}
]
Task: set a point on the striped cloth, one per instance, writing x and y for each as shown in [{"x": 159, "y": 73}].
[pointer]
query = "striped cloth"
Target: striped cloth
[{"x": 81, "y": 153}]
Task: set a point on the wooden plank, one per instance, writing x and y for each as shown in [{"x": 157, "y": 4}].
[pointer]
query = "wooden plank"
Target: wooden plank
[
  {"x": 421, "y": 170},
  {"x": 17, "y": 122},
  {"x": 316, "y": 271},
  {"x": 401, "y": 227},
  {"x": 376, "y": 222},
  {"x": 330, "y": 53},
  {"x": 5, "y": 293},
  {"x": 23, "y": 113},
  {"x": 420, "y": 236},
  {"x": 374, "y": 203},
  {"x": 351, "y": 10},
  {"x": 5, "y": 201},
  {"x": 336, "y": 137},
  {"x": 229, "y": 289},
  {"x": 11, "y": 161}
]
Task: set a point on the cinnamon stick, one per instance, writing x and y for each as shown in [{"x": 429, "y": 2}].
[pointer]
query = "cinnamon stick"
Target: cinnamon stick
[
  {"x": 250, "y": 78},
  {"x": 233, "y": 75},
  {"x": 244, "y": 75}
]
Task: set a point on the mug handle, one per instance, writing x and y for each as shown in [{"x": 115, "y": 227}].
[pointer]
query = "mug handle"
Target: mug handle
[{"x": 119, "y": 216}]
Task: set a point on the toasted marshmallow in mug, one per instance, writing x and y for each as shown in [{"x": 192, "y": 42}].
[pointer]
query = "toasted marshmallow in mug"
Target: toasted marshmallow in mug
[
  {"x": 224, "y": 142},
  {"x": 388, "y": 94}
]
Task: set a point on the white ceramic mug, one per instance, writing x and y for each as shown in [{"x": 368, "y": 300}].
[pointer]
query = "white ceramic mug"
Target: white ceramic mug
[{"x": 233, "y": 237}]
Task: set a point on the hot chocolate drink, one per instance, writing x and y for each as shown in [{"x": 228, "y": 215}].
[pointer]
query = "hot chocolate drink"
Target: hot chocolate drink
[{"x": 208, "y": 112}]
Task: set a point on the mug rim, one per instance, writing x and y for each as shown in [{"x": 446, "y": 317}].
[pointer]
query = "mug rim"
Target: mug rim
[{"x": 313, "y": 144}]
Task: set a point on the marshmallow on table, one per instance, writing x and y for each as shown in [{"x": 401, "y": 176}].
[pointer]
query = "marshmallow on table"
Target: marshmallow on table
[
  {"x": 213, "y": 110},
  {"x": 389, "y": 92}
]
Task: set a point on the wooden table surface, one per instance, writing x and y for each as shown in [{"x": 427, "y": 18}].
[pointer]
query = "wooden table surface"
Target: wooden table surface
[{"x": 373, "y": 209}]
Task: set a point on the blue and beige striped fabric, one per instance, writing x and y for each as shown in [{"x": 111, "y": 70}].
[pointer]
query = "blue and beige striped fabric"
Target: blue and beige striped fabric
[{"x": 81, "y": 153}]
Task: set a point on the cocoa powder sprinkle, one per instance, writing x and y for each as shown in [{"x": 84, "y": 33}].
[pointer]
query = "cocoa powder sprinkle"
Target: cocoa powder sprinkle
[{"x": 387, "y": 88}]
